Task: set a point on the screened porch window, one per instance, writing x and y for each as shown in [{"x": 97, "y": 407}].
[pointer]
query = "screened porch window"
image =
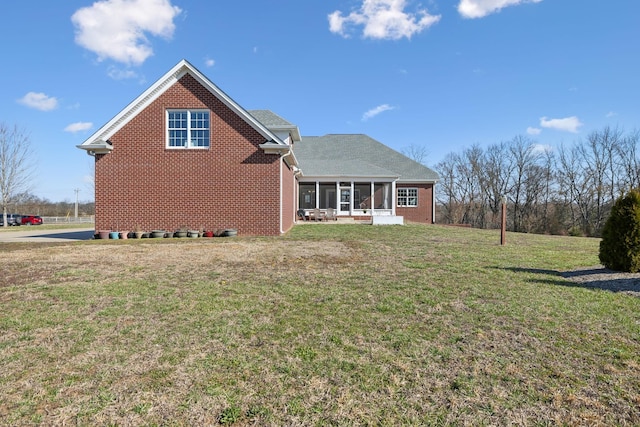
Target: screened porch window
[
  {"x": 362, "y": 195},
  {"x": 307, "y": 196},
  {"x": 346, "y": 196},
  {"x": 328, "y": 195},
  {"x": 382, "y": 196}
]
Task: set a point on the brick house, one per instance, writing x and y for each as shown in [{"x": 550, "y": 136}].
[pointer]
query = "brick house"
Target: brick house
[{"x": 185, "y": 154}]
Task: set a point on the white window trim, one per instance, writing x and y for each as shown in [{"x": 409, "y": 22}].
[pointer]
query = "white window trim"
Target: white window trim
[
  {"x": 188, "y": 145},
  {"x": 406, "y": 197}
]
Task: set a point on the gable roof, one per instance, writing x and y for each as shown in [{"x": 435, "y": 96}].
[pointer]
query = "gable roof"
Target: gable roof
[
  {"x": 357, "y": 155},
  {"x": 99, "y": 141}
]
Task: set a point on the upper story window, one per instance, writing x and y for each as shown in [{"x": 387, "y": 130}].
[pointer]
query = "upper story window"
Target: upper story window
[
  {"x": 188, "y": 129},
  {"x": 407, "y": 197}
]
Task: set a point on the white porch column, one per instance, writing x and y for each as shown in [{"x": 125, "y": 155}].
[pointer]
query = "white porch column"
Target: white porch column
[
  {"x": 393, "y": 198},
  {"x": 371, "y": 198},
  {"x": 351, "y": 199}
]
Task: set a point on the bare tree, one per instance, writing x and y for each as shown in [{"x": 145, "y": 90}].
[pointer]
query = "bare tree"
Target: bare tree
[
  {"x": 449, "y": 196},
  {"x": 497, "y": 170},
  {"x": 599, "y": 157},
  {"x": 575, "y": 188},
  {"x": 546, "y": 221},
  {"x": 521, "y": 193},
  {"x": 599, "y": 167},
  {"x": 589, "y": 174},
  {"x": 630, "y": 162},
  {"x": 419, "y": 153},
  {"x": 16, "y": 165},
  {"x": 460, "y": 183},
  {"x": 471, "y": 172}
]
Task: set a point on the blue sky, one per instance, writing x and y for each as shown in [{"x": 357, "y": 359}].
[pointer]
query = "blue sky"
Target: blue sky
[{"x": 440, "y": 74}]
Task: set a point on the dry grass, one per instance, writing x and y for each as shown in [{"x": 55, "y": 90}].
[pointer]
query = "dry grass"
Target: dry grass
[{"x": 337, "y": 325}]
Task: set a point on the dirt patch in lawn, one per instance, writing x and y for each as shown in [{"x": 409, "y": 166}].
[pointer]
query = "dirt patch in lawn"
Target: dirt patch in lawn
[{"x": 54, "y": 264}]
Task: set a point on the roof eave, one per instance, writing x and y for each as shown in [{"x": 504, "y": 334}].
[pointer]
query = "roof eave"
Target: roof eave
[
  {"x": 292, "y": 130},
  {"x": 422, "y": 181},
  {"x": 94, "y": 148},
  {"x": 353, "y": 177},
  {"x": 281, "y": 150}
]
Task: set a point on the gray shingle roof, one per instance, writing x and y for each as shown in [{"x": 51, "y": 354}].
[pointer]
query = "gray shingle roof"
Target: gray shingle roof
[
  {"x": 269, "y": 118},
  {"x": 357, "y": 155},
  {"x": 275, "y": 123}
]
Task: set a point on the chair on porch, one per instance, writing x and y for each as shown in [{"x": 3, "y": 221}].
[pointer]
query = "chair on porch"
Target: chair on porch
[
  {"x": 301, "y": 214},
  {"x": 316, "y": 214},
  {"x": 331, "y": 214}
]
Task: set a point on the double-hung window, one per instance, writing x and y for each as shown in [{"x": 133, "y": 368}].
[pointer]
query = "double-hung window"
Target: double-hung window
[
  {"x": 188, "y": 129},
  {"x": 408, "y": 197}
]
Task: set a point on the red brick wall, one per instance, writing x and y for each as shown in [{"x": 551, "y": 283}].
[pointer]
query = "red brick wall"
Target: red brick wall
[
  {"x": 424, "y": 211},
  {"x": 233, "y": 184}
]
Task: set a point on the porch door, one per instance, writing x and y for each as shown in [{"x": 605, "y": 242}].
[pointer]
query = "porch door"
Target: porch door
[{"x": 345, "y": 200}]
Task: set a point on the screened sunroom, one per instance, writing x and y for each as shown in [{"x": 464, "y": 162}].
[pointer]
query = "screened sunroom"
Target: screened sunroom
[
  {"x": 359, "y": 177},
  {"x": 348, "y": 198}
]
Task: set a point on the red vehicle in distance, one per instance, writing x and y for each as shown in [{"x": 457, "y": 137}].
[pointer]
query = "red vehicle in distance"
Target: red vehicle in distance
[{"x": 31, "y": 220}]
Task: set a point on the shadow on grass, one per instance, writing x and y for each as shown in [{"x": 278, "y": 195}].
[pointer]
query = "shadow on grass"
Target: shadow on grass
[
  {"x": 590, "y": 278},
  {"x": 70, "y": 235}
]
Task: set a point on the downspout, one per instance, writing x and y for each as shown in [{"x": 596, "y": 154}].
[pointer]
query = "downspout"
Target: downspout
[
  {"x": 295, "y": 194},
  {"x": 433, "y": 203},
  {"x": 281, "y": 190}
]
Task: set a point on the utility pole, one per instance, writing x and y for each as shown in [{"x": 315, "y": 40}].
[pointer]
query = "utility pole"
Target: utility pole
[{"x": 77, "y": 190}]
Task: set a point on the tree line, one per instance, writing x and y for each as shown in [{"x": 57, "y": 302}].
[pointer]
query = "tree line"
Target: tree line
[
  {"x": 29, "y": 204},
  {"x": 568, "y": 191}
]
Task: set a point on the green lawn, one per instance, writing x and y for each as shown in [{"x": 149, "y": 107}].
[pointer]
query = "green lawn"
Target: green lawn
[{"x": 328, "y": 325}]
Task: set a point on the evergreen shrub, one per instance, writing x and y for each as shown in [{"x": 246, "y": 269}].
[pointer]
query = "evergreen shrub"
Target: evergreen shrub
[{"x": 620, "y": 245}]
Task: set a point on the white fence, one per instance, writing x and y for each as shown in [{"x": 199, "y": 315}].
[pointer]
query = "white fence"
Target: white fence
[{"x": 68, "y": 219}]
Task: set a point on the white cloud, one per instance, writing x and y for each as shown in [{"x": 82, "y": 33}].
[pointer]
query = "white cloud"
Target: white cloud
[
  {"x": 533, "y": 131},
  {"x": 481, "y": 8},
  {"x": 541, "y": 148},
  {"x": 119, "y": 74},
  {"x": 611, "y": 114},
  {"x": 568, "y": 124},
  {"x": 375, "y": 111},
  {"x": 117, "y": 29},
  {"x": 78, "y": 127},
  {"x": 39, "y": 101},
  {"x": 209, "y": 62},
  {"x": 383, "y": 19}
]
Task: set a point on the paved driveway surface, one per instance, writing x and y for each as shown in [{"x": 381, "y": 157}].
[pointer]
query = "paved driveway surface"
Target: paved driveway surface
[{"x": 31, "y": 234}]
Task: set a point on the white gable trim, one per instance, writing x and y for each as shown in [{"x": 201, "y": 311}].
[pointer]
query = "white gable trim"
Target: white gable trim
[{"x": 158, "y": 88}]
